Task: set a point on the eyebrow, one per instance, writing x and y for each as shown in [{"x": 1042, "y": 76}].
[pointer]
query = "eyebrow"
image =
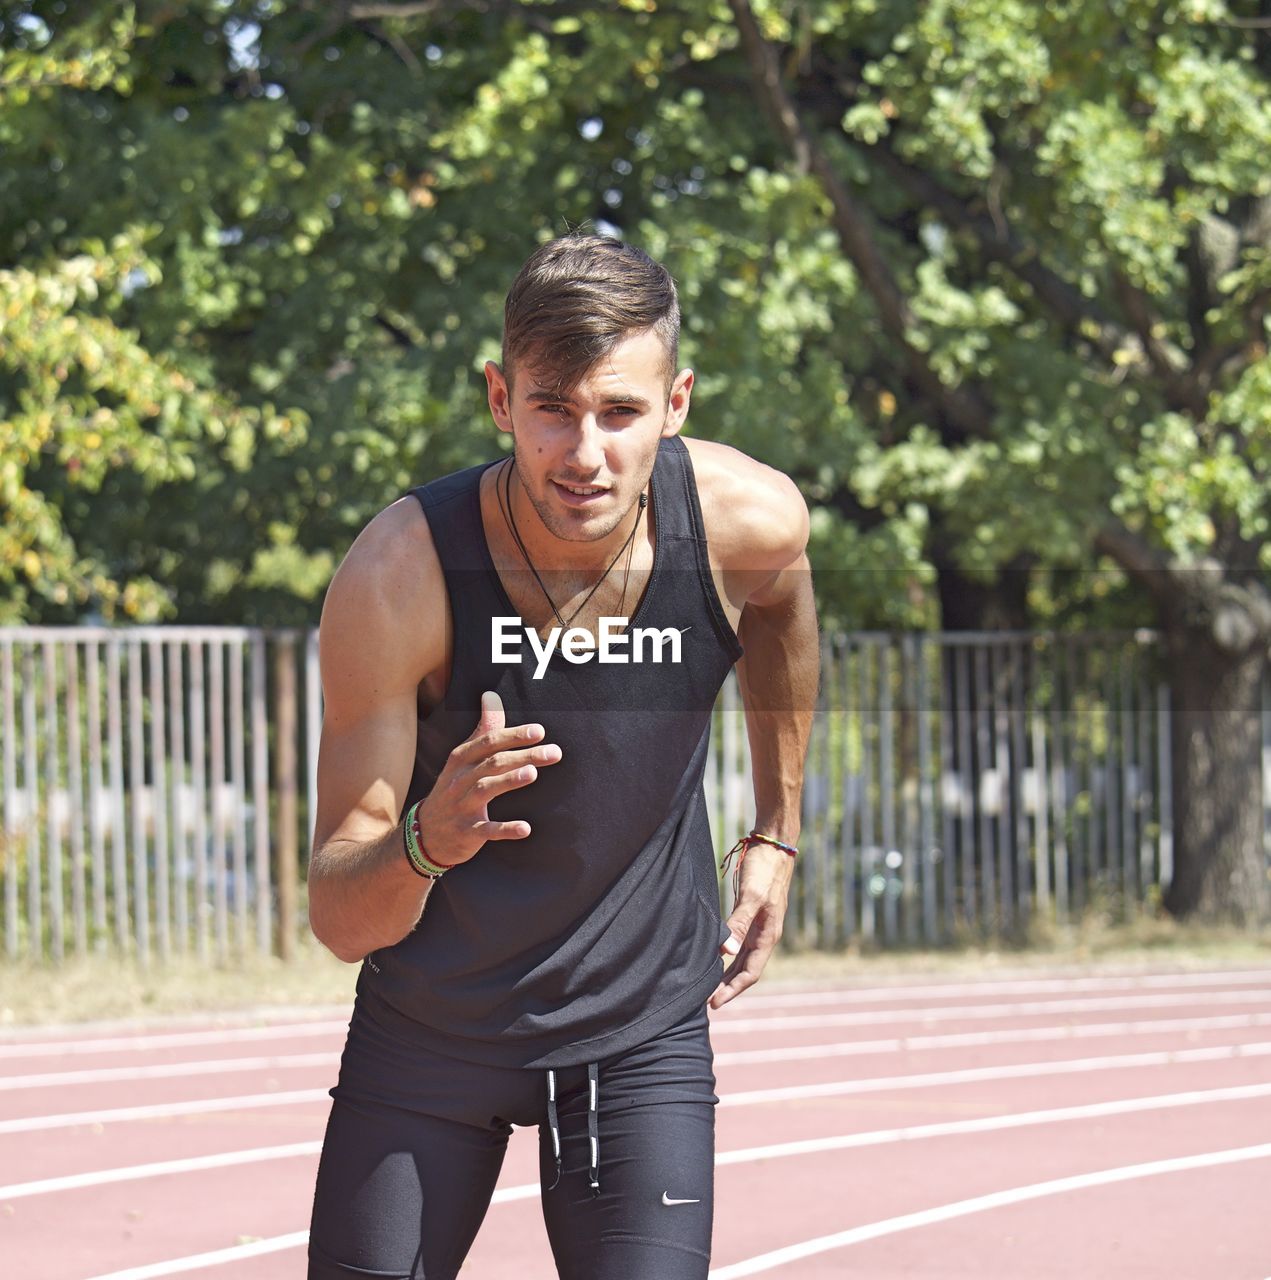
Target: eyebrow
[{"x": 554, "y": 397}]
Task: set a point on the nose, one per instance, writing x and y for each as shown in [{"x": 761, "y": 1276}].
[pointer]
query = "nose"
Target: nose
[{"x": 586, "y": 454}]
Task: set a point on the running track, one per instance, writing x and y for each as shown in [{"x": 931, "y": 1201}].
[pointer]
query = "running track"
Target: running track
[{"x": 1019, "y": 1127}]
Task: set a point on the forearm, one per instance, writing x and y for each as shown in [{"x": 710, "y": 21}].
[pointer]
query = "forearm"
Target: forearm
[
  {"x": 779, "y": 676},
  {"x": 364, "y": 896}
]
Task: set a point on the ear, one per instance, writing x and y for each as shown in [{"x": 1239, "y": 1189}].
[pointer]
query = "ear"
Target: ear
[
  {"x": 498, "y": 396},
  {"x": 677, "y": 406}
]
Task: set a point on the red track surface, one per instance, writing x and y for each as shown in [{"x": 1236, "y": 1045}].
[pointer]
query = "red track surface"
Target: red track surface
[{"x": 1019, "y": 1128}]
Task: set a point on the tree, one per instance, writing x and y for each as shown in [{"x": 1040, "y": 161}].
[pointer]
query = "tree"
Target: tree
[
  {"x": 1103, "y": 172},
  {"x": 988, "y": 278},
  {"x": 88, "y": 405}
]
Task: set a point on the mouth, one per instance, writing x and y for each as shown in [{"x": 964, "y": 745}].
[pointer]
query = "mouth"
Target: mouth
[{"x": 579, "y": 495}]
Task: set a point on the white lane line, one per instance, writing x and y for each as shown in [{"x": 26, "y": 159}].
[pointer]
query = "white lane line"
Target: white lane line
[
  {"x": 296, "y": 1061},
  {"x": 966, "y": 1039},
  {"x": 773, "y": 1151},
  {"x": 989, "y": 1124},
  {"x": 257, "y": 1248},
  {"x": 1011, "y": 1071},
  {"x": 213, "y": 1258},
  {"x": 162, "y": 1110},
  {"x": 250, "y": 1016},
  {"x": 972, "y": 1012},
  {"x": 146, "y": 1040},
  {"x": 157, "y": 1169},
  {"x": 300, "y": 1061},
  {"x": 168, "y": 1070},
  {"x": 170, "y": 1040},
  {"x": 1008, "y": 986},
  {"x": 777, "y": 1151},
  {"x": 1065, "y": 1066},
  {"x": 981, "y": 1204},
  {"x": 869, "y": 995}
]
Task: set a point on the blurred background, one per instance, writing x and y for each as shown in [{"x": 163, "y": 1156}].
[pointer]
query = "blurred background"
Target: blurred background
[{"x": 990, "y": 279}]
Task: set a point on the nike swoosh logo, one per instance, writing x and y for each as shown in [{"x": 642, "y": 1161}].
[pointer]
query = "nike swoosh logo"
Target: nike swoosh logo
[{"x": 667, "y": 1200}]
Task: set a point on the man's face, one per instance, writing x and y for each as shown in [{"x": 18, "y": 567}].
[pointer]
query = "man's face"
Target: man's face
[{"x": 583, "y": 458}]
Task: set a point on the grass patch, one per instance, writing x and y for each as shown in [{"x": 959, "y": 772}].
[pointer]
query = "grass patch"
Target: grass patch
[
  {"x": 1096, "y": 941},
  {"x": 107, "y": 987},
  {"x": 82, "y": 990}
]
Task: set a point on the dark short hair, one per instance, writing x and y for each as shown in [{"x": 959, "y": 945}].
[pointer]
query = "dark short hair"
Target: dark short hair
[{"x": 578, "y": 297}]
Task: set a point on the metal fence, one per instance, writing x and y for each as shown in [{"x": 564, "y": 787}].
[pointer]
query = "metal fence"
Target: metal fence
[
  {"x": 157, "y": 785},
  {"x": 959, "y": 784},
  {"x": 151, "y": 788}
]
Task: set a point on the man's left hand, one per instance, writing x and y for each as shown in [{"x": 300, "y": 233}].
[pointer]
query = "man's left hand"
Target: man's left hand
[{"x": 756, "y": 921}]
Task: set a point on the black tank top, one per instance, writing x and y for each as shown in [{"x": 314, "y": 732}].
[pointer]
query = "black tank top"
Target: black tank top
[{"x": 602, "y": 928}]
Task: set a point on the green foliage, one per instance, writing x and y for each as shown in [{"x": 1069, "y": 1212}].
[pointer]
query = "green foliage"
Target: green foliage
[
  {"x": 89, "y": 401},
  {"x": 253, "y": 253}
]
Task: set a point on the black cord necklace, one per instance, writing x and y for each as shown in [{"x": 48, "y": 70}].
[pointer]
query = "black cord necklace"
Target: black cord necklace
[{"x": 504, "y": 495}]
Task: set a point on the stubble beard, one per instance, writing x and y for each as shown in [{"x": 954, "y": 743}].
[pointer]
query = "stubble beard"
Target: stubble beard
[{"x": 558, "y": 524}]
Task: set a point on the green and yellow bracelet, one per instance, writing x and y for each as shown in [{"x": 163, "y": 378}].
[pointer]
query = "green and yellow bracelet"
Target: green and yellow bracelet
[{"x": 420, "y": 863}]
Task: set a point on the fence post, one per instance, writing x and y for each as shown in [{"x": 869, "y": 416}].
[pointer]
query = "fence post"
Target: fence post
[
  {"x": 288, "y": 869},
  {"x": 9, "y": 818},
  {"x": 260, "y": 793}
]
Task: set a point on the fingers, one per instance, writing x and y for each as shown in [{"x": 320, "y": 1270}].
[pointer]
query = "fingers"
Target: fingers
[
  {"x": 744, "y": 973},
  {"x": 485, "y": 789},
  {"x": 492, "y": 735},
  {"x": 754, "y": 929},
  {"x": 516, "y": 830},
  {"x": 494, "y": 759},
  {"x": 506, "y": 761},
  {"x": 743, "y": 916},
  {"x": 492, "y": 717}
]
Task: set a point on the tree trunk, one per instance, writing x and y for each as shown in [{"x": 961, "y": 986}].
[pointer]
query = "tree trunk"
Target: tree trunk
[
  {"x": 1220, "y": 866},
  {"x": 967, "y": 604}
]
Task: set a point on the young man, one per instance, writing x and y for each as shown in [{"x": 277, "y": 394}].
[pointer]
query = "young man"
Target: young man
[{"x": 519, "y": 663}]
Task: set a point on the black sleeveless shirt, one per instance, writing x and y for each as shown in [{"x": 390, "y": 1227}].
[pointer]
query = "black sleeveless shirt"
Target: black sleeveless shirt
[{"x": 602, "y": 928}]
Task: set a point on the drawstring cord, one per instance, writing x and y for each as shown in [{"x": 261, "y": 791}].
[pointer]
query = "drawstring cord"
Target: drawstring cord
[
  {"x": 593, "y": 1125},
  {"x": 553, "y": 1121}
]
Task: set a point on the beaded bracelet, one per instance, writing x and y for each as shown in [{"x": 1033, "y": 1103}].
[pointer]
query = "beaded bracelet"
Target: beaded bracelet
[
  {"x": 420, "y": 863},
  {"x": 752, "y": 837}
]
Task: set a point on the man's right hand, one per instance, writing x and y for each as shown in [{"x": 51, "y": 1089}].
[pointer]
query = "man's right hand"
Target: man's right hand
[{"x": 454, "y": 818}]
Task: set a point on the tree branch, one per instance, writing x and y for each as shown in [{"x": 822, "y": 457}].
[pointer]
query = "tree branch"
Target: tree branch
[
  {"x": 418, "y": 9},
  {"x": 1197, "y": 304},
  {"x": 1138, "y": 558},
  {"x": 965, "y": 410},
  {"x": 1200, "y": 595},
  {"x": 1184, "y": 387},
  {"x": 1183, "y": 392},
  {"x": 1073, "y": 310},
  {"x": 1077, "y": 313},
  {"x": 394, "y": 44}
]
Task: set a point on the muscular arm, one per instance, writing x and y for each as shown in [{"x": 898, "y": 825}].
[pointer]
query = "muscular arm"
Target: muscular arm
[
  {"x": 376, "y": 643},
  {"x": 384, "y": 632},
  {"x": 759, "y": 536},
  {"x": 779, "y": 675},
  {"x": 778, "y": 678}
]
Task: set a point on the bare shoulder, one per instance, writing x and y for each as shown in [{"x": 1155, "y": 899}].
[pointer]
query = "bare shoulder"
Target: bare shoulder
[
  {"x": 755, "y": 516},
  {"x": 383, "y": 618}
]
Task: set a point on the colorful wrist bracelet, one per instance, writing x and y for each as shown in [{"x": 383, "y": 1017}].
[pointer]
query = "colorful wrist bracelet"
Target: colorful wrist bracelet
[
  {"x": 752, "y": 837},
  {"x": 420, "y": 863},
  {"x": 776, "y": 844}
]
